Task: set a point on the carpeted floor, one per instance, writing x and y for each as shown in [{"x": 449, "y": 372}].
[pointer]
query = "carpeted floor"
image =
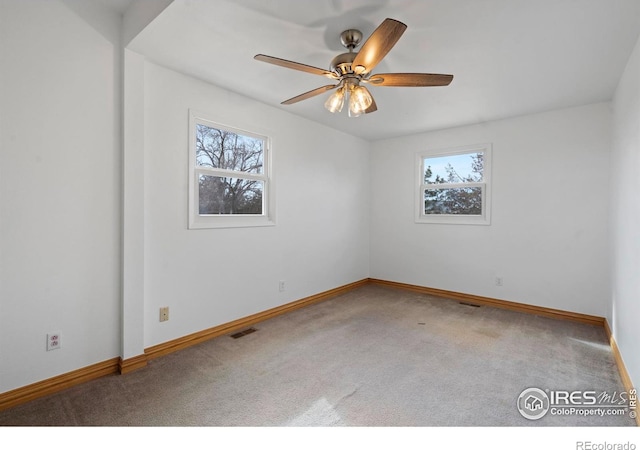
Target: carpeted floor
[{"x": 372, "y": 357}]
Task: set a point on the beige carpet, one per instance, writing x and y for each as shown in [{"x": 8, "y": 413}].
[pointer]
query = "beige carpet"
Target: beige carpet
[{"x": 372, "y": 357}]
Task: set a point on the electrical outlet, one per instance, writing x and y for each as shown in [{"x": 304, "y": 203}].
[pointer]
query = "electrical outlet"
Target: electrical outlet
[
  {"x": 53, "y": 341},
  {"x": 281, "y": 286},
  {"x": 164, "y": 314}
]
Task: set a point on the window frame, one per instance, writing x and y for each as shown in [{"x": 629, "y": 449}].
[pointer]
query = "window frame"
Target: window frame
[
  {"x": 455, "y": 219},
  {"x": 204, "y": 221}
]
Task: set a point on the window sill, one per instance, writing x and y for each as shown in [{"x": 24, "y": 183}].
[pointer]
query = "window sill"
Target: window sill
[
  {"x": 213, "y": 222},
  {"x": 454, "y": 220}
]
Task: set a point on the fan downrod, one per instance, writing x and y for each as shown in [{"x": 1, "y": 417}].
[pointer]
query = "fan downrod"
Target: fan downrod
[
  {"x": 341, "y": 64},
  {"x": 350, "y": 39}
]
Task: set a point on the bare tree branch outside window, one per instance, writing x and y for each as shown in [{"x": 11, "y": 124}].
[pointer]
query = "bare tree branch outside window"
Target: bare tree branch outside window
[{"x": 232, "y": 154}]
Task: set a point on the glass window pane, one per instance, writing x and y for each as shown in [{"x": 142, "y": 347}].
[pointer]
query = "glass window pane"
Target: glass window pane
[
  {"x": 460, "y": 201},
  {"x": 222, "y": 149},
  {"x": 221, "y": 195},
  {"x": 461, "y": 168}
]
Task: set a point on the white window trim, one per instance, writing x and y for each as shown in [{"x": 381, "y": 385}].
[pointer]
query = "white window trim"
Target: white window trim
[
  {"x": 482, "y": 219},
  {"x": 203, "y": 221}
]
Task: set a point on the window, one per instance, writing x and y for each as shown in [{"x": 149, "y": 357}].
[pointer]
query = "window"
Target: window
[
  {"x": 229, "y": 176},
  {"x": 454, "y": 186}
]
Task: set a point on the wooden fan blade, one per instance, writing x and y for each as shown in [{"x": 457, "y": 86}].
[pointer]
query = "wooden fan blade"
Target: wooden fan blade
[
  {"x": 410, "y": 79},
  {"x": 296, "y": 66},
  {"x": 309, "y": 94},
  {"x": 378, "y": 45}
]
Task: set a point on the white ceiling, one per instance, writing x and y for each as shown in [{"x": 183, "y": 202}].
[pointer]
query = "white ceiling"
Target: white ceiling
[
  {"x": 119, "y": 6},
  {"x": 508, "y": 57}
]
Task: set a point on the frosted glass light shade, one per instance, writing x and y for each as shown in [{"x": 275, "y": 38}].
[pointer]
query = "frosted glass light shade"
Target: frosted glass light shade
[
  {"x": 336, "y": 101},
  {"x": 359, "y": 100}
]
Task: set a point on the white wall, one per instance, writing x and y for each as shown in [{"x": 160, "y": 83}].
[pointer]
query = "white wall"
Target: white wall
[
  {"x": 59, "y": 188},
  {"x": 60, "y": 204},
  {"x": 209, "y": 277},
  {"x": 626, "y": 216},
  {"x": 548, "y": 236}
]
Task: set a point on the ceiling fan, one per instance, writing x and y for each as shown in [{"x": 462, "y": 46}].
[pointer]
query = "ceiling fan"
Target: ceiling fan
[{"x": 353, "y": 69}]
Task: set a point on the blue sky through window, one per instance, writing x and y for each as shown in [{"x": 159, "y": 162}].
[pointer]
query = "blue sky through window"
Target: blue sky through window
[{"x": 461, "y": 163}]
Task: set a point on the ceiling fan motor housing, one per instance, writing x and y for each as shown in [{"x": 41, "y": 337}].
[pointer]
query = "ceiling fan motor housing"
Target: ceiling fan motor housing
[{"x": 341, "y": 64}]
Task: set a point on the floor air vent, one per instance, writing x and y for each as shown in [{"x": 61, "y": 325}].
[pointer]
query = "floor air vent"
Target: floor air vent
[
  {"x": 469, "y": 304},
  {"x": 239, "y": 334}
]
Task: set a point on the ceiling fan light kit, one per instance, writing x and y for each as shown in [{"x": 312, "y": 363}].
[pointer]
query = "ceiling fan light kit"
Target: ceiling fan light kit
[
  {"x": 359, "y": 100},
  {"x": 350, "y": 69},
  {"x": 335, "y": 102}
]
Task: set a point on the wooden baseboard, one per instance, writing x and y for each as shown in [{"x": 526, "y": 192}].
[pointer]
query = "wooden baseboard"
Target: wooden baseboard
[
  {"x": 504, "y": 304},
  {"x": 117, "y": 365},
  {"x": 58, "y": 383},
  {"x": 165, "y": 348},
  {"x": 529, "y": 309},
  {"x": 624, "y": 375},
  {"x": 131, "y": 364}
]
